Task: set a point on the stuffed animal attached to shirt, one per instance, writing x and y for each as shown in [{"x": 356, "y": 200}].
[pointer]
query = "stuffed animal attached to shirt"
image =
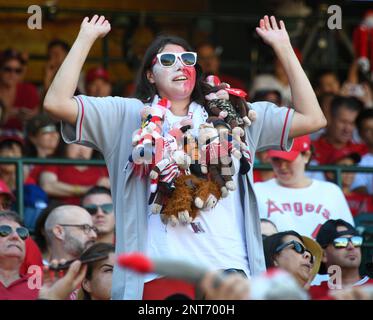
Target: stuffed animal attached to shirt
[
  {"x": 229, "y": 104},
  {"x": 148, "y": 135}
]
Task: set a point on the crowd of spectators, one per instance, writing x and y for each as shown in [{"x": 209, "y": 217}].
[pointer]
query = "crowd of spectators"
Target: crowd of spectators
[{"x": 307, "y": 219}]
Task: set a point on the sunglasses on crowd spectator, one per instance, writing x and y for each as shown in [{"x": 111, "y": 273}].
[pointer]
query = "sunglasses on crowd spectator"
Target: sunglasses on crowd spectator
[
  {"x": 296, "y": 246},
  {"x": 168, "y": 59},
  {"x": 11, "y": 70},
  {"x": 6, "y": 230},
  {"x": 93, "y": 208},
  {"x": 342, "y": 242},
  {"x": 85, "y": 227}
]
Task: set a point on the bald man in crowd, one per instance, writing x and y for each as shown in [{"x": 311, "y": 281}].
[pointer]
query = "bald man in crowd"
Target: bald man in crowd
[{"x": 69, "y": 231}]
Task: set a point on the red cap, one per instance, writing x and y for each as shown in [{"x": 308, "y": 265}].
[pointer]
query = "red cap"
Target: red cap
[
  {"x": 301, "y": 144},
  {"x": 11, "y": 135},
  {"x": 97, "y": 73},
  {"x": 4, "y": 189},
  {"x": 347, "y": 152}
]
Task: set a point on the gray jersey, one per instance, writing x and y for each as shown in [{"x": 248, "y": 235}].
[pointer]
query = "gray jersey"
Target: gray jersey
[{"x": 107, "y": 124}]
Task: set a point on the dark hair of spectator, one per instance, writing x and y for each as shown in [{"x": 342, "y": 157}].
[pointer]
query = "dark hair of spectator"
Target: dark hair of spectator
[
  {"x": 350, "y": 103},
  {"x": 96, "y": 250},
  {"x": 261, "y": 95},
  {"x": 39, "y": 233},
  {"x": 11, "y": 215},
  {"x": 59, "y": 43},
  {"x": 322, "y": 73},
  {"x": 271, "y": 243},
  {"x": 10, "y": 54},
  {"x": 8, "y": 144},
  {"x": 96, "y": 190},
  {"x": 268, "y": 221},
  {"x": 145, "y": 91},
  {"x": 363, "y": 115}
]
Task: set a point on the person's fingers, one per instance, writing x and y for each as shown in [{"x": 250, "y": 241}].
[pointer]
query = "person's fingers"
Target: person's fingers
[
  {"x": 261, "y": 24},
  {"x": 267, "y": 23},
  {"x": 282, "y": 25},
  {"x": 94, "y": 19},
  {"x": 80, "y": 276},
  {"x": 274, "y": 23},
  {"x": 101, "y": 20},
  {"x": 260, "y": 32},
  {"x": 85, "y": 20}
]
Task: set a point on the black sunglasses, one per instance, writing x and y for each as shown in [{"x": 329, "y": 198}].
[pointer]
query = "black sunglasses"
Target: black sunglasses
[
  {"x": 6, "y": 230},
  {"x": 10, "y": 69},
  {"x": 296, "y": 246},
  {"x": 93, "y": 208},
  {"x": 342, "y": 242}
]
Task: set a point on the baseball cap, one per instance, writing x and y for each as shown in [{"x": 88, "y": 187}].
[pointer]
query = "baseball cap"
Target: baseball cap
[
  {"x": 11, "y": 135},
  {"x": 40, "y": 123},
  {"x": 344, "y": 153},
  {"x": 300, "y": 144},
  {"x": 4, "y": 189},
  {"x": 328, "y": 231},
  {"x": 97, "y": 73}
]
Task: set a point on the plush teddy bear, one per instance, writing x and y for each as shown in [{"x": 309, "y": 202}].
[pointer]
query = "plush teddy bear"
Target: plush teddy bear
[{"x": 191, "y": 195}]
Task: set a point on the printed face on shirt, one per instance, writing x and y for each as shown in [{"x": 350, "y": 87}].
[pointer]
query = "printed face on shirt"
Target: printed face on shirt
[
  {"x": 99, "y": 286},
  {"x": 104, "y": 222},
  {"x": 11, "y": 246},
  {"x": 176, "y": 82},
  {"x": 297, "y": 264},
  {"x": 349, "y": 257}
]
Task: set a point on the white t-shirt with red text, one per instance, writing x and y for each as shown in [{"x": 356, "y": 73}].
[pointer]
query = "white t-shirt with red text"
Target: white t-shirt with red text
[{"x": 303, "y": 210}]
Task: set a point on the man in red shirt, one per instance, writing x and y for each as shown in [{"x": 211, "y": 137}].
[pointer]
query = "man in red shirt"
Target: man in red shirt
[
  {"x": 339, "y": 133},
  {"x": 342, "y": 257},
  {"x": 13, "y": 284}
]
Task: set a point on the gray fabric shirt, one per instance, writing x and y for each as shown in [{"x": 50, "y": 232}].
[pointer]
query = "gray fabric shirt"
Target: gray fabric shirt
[{"x": 107, "y": 124}]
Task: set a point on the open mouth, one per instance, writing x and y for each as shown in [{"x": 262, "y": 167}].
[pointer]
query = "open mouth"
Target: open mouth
[{"x": 180, "y": 78}]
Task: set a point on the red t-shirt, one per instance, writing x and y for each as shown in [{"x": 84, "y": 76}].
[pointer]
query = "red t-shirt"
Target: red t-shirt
[
  {"x": 33, "y": 256},
  {"x": 321, "y": 292},
  {"x": 324, "y": 151},
  {"x": 71, "y": 175},
  {"x": 34, "y": 174},
  {"x": 359, "y": 203},
  {"x": 18, "y": 290},
  {"x": 27, "y": 96}
]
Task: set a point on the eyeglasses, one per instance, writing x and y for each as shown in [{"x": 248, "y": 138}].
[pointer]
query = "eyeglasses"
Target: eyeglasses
[
  {"x": 10, "y": 70},
  {"x": 93, "y": 208},
  {"x": 168, "y": 59},
  {"x": 6, "y": 230},
  {"x": 342, "y": 242},
  {"x": 297, "y": 247},
  {"x": 85, "y": 227}
]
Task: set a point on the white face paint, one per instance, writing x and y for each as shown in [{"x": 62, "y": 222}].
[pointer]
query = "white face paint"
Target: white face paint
[{"x": 176, "y": 82}]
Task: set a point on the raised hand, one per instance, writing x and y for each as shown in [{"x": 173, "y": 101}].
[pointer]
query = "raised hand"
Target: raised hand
[
  {"x": 98, "y": 27},
  {"x": 271, "y": 33}
]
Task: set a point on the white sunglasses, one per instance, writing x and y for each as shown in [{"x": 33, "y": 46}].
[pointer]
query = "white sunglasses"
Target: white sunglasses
[{"x": 168, "y": 59}]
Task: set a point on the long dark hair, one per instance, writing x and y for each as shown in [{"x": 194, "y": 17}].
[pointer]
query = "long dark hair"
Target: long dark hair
[
  {"x": 271, "y": 243},
  {"x": 145, "y": 91}
]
